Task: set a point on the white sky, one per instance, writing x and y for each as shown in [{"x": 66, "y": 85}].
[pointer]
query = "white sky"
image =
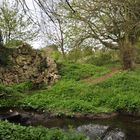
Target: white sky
[
  {"x": 1, "y": 2},
  {"x": 39, "y": 43}
]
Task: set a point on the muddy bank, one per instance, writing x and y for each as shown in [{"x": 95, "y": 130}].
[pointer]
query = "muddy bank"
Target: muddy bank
[
  {"x": 127, "y": 113},
  {"x": 32, "y": 114}
]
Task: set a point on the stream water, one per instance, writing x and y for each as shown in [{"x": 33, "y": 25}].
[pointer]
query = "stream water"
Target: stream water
[{"x": 128, "y": 124}]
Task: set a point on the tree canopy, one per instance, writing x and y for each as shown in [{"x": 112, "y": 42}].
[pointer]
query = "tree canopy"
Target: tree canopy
[
  {"x": 15, "y": 25},
  {"x": 113, "y": 24}
]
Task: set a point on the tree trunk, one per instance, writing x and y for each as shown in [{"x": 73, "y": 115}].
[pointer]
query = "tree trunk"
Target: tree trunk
[
  {"x": 127, "y": 52},
  {"x": 61, "y": 38},
  {"x": 62, "y": 51},
  {"x": 1, "y": 39}
]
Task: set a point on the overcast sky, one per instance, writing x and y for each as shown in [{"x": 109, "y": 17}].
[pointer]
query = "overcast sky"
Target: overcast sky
[{"x": 35, "y": 13}]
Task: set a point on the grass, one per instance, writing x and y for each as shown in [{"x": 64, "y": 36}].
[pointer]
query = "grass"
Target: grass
[
  {"x": 66, "y": 95},
  {"x": 80, "y": 71},
  {"x": 11, "y": 95},
  {"x": 119, "y": 92},
  {"x": 70, "y": 95}
]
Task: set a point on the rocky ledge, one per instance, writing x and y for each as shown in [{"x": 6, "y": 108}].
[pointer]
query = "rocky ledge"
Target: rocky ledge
[{"x": 26, "y": 64}]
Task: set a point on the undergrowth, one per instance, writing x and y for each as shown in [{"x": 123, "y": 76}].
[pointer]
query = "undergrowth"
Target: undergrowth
[
  {"x": 80, "y": 71},
  {"x": 9, "y": 131},
  {"x": 68, "y": 96},
  {"x": 119, "y": 92}
]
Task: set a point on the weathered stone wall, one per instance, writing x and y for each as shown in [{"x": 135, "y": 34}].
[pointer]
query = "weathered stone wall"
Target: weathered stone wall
[{"x": 27, "y": 64}]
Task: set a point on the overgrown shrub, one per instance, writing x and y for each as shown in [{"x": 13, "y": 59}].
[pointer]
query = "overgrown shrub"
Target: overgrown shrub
[
  {"x": 13, "y": 43},
  {"x": 79, "y": 71},
  {"x": 102, "y": 58},
  {"x": 23, "y": 87},
  {"x": 6, "y": 90}
]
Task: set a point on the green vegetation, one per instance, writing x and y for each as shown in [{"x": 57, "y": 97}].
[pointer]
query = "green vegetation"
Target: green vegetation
[
  {"x": 15, "y": 26},
  {"x": 80, "y": 71},
  {"x": 68, "y": 96},
  {"x": 4, "y": 57},
  {"x": 10, "y": 95},
  {"x": 13, "y": 43},
  {"x": 22, "y": 87},
  {"x": 9, "y": 131},
  {"x": 120, "y": 92},
  {"x": 101, "y": 58},
  {"x": 107, "y": 36}
]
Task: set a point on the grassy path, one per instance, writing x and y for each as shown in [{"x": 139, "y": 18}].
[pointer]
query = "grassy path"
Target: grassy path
[{"x": 92, "y": 80}]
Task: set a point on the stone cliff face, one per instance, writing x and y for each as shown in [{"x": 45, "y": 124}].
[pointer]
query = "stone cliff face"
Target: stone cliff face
[{"x": 27, "y": 64}]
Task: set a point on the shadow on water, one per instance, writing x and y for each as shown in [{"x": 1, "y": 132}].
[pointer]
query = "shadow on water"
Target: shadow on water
[{"x": 128, "y": 124}]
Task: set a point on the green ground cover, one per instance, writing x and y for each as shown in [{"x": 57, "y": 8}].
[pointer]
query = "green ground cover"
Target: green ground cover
[
  {"x": 80, "y": 71},
  {"x": 70, "y": 95},
  {"x": 9, "y": 131}
]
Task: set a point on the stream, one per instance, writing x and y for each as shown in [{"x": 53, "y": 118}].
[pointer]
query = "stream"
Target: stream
[{"x": 129, "y": 125}]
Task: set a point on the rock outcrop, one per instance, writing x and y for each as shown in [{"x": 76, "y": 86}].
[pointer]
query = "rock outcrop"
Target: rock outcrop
[{"x": 27, "y": 64}]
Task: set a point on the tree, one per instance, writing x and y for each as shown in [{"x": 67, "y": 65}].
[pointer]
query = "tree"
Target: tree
[
  {"x": 114, "y": 23},
  {"x": 52, "y": 20},
  {"x": 55, "y": 29},
  {"x": 1, "y": 39},
  {"x": 15, "y": 25}
]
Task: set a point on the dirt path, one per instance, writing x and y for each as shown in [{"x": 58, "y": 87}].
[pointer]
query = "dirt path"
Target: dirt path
[{"x": 102, "y": 78}]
